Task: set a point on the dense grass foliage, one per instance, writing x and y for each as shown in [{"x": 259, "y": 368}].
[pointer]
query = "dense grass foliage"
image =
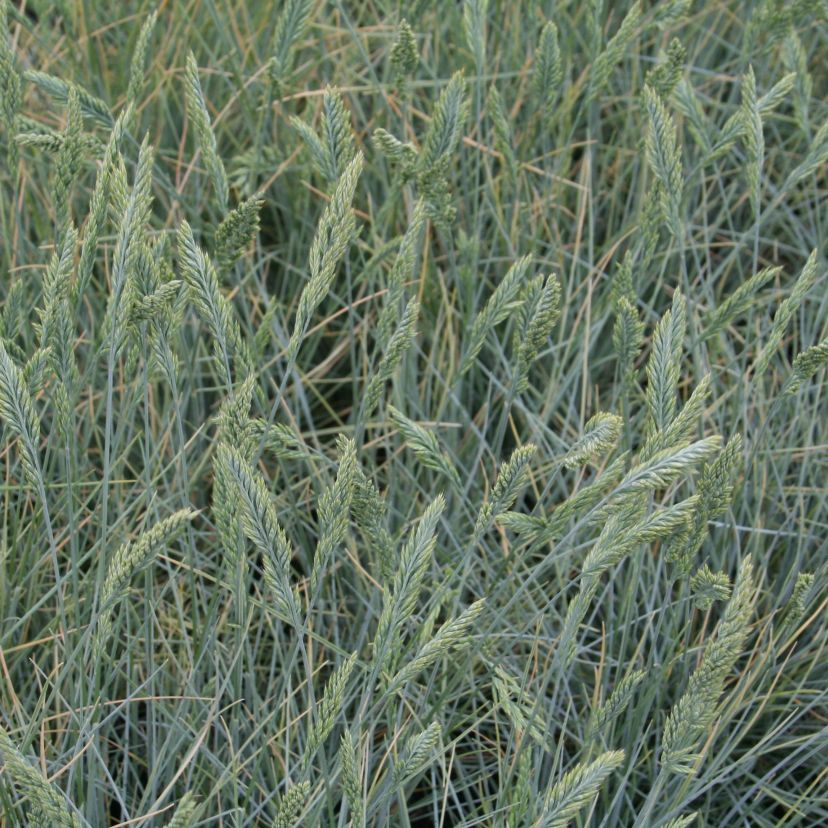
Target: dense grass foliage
[{"x": 413, "y": 414}]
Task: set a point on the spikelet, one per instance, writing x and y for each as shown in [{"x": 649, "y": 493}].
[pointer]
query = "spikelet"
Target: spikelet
[
  {"x": 625, "y": 529},
  {"x": 41, "y": 136},
  {"x": 199, "y": 273},
  {"x": 577, "y": 788},
  {"x": 520, "y": 706},
  {"x": 664, "y": 158},
  {"x": 67, "y": 165},
  {"x": 352, "y": 779},
  {"x": 48, "y": 140},
  {"x": 290, "y": 805},
  {"x": 197, "y": 111},
  {"x": 424, "y": 445},
  {"x": 430, "y": 167},
  {"x": 600, "y": 437},
  {"x": 754, "y": 139},
  {"x": 404, "y": 54},
  {"x": 627, "y": 339},
  {"x": 134, "y": 217},
  {"x": 395, "y": 350},
  {"x": 732, "y": 131},
  {"x": 618, "y": 701},
  {"x": 314, "y": 146},
  {"x": 814, "y": 159},
  {"x": 334, "y": 151},
  {"x": 664, "y": 367},
  {"x": 261, "y": 526},
  {"x": 532, "y": 528},
  {"x": 265, "y": 330},
  {"x": 156, "y": 303},
  {"x": 715, "y": 489},
  {"x": 433, "y": 188},
  {"x": 400, "y": 152},
  {"x": 803, "y": 593},
  {"x": 18, "y": 413},
  {"x": 417, "y": 752},
  {"x": 233, "y": 428},
  {"x": 439, "y": 146},
  {"x": 614, "y": 52},
  {"x": 501, "y": 303},
  {"x": 670, "y": 13},
  {"x": 290, "y": 27},
  {"x": 439, "y": 605},
  {"x": 545, "y": 530},
  {"x": 14, "y": 311},
  {"x": 234, "y": 425},
  {"x": 186, "y": 812},
  {"x": 280, "y": 439},
  {"x": 10, "y": 94},
  {"x": 509, "y": 481},
  {"x": 665, "y": 77},
  {"x": 806, "y": 364},
  {"x": 237, "y": 229},
  {"x": 695, "y": 711},
  {"x": 47, "y": 803},
  {"x": 649, "y": 225},
  {"x": 443, "y": 133},
  {"x": 535, "y": 318},
  {"x": 801, "y": 82},
  {"x": 92, "y": 107},
  {"x": 329, "y": 707},
  {"x": 776, "y": 18},
  {"x": 474, "y": 28},
  {"x": 99, "y": 205},
  {"x": 334, "y": 234},
  {"x": 682, "y": 821},
  {"x": 145, "y": 297},
  {"x": 739, "y": 302},
  {"x": 777, "y": 94},
  {"x": 56, "y": 286},
  {"x": 666, "y": 466},
  {"x": 708, "y": 586},
  {"x": 785, "y": 312},
  {"x": 716, "y": 481},
  {"x": 35, "y": 370},
  {"x": 622, "y": 286},
  {"x": 547, "y": 78},
  {"x": 403, "y": 269},
  {"x": 604, "y": 554},
  {"x": 521, "y": 804},
  {"x": 683, "y": 424},
  {"x": 503, "y": 139},
  {"x": 660, "y": 523},
  {"x": 162, "y": 328},
  {"x": 401, "y": 598},
  {"x": 698, "y": 124},
  {"x": 128, "y": 559},
  {"x": 137, "y": 72},
  {"x": 57, "y": 336},
  {"x": 452, "y": 634},
  {"x": 334, "y": 510},
  {"x": 370, "y": 514}
]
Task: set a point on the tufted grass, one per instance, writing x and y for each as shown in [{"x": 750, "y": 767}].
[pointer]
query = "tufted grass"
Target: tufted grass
[{"x": 339, "y": 510}]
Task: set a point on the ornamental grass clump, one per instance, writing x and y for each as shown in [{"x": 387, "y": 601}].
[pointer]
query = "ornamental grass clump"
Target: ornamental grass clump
[{"x": 413, "y": 416}]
